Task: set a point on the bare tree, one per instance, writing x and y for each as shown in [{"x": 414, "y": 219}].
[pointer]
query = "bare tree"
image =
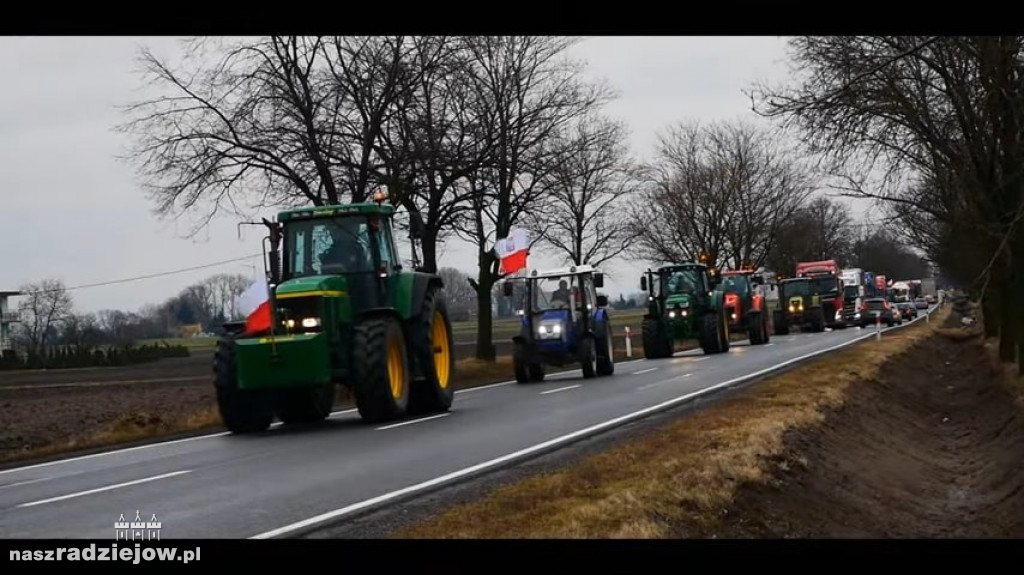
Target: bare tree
[
  {"x": 724, "y": 189},
  {"x": 435, "y": 141},
  {"x": 588, "y": 187},
  {"x": 223, "y": 289},
  {"x": 819, "y": 230},
  {"x": 44, "y": 307},
  {"x": 523, "y": 93},
  {"x": 280, "y": 121},
  {"x": 81, "y": 332},
  {"x": 891, "y": 112}
]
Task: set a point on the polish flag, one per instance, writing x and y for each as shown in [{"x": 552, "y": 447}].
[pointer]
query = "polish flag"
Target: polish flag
[
  {"x": 513, "y": 251},
  {"x": 254, "y": 305}
]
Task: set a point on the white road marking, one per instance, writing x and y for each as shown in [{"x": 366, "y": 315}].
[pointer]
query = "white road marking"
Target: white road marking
[
  {"x": 538, "y": 448},
  {"x": 769, "y": 344},
  {"x": 561, "y": 389},
  {"x": 107, "y": 488},
  {"x": 29, "y": 482},
  {"x": 657, "y": 383},
  {"x": 648, "y": 370},
  {"x": 420, "y": 420}
]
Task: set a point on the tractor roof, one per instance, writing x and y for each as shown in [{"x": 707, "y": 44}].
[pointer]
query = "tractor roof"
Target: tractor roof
[
  {"x": 797, "y": 279},
  {"x": 739, "y": 273},
  {"x": 681, "y": 266},
  {"x": 566, "y": 271},
  {"x": 312, "y": 212}
]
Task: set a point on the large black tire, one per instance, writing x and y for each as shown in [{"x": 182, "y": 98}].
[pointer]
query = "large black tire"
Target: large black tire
[
  {"x": 756, "y": 328},
  {"x": 525, "y": 371},
  {"x": 708, "y": 335},
  {"x": 651, "y": 336},
  {"x": 380, "y": 369},
  {"x": 781, "y": 322},
  {"x": 241, "y": 410},
  {"x": 724, "y": 332},
  {"x": 433, "y": 344},
  {"x": 606, "y": 350},
  {"x": 588, "y": 356},
  {"x": 817, "y": 320},
  {"x": 305, "y": 405}
]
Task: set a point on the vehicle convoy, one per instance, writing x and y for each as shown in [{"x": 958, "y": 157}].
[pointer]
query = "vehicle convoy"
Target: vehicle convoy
[
  {"x": 564, "y": 322},
  {"x": 746, "y": 307},
  {"x": 799, "y": 305},
  {"x": 343, "y": 311},
  {"x": 826, "y": 282},
  {"x": 682, "y": 305}
]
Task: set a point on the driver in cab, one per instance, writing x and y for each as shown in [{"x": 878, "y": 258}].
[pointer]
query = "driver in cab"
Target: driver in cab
[
  {"x": 679, "y": 283},
  {"x": 561, "y": 294}
]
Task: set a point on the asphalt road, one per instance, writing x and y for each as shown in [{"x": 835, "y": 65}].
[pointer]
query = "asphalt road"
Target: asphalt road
[{"x": 276, "y": 483}]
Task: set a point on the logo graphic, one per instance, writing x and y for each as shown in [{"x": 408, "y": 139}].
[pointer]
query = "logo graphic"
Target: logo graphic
[{"x": 138, "y": 530}]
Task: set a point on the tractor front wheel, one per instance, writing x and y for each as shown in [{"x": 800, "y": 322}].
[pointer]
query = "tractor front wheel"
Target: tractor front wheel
[
  {"x": 652, "y": 342},
  {"x": 781, "y": 322},
  {"x": 380, "y": 374},
  {"x": 306, "y": 405},
  {"x": 433, "y": 345},
  {"x": 241, "y": 410}
]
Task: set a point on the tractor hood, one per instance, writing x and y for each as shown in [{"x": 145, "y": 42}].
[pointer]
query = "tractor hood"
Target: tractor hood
[
  {"x": 796, "y": 301},
  {"x": 680, "y": 299},
  {"x": 314, "y": 285}
]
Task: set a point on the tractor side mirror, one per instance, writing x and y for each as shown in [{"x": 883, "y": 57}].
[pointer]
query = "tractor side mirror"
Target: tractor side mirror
[
  {"x": 507, "y": 289},
  {"x": 599, "y": 280},
  {"x": 757, "y": 280},
  {"x": 643, "y": 283},
  {"x": 602, "y": 301}
]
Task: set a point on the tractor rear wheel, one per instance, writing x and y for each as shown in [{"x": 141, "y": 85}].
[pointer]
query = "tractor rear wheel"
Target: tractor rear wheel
[
  {"x": 307, "y": 405},
  {"x": 525, "y": 371},
  {"x": 588, "y": 356},
  {"x": 606, "y": 350},
  {"x": 241, "y": 410},
  {"x": 380, "y": 369},
  {"x": 433, "y": 344},
  {"x": 755, "y": 328}
]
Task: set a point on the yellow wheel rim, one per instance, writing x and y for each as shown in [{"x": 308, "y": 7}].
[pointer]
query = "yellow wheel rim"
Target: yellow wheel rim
[
  {"x": 442, "y": 352},
  {"x": 396, "y": 369}
]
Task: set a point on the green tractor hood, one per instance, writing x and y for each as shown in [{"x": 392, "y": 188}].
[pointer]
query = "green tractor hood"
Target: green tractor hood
[
  {"x": 299, "y": 358},
  {"x": 313, "y": 285},
  {"x": 680, "y": 299}
]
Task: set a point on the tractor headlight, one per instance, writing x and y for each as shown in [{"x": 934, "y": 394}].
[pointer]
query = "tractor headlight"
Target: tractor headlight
[
  {"x": 310, "y": 322},
  {"x": 792, "y": 307},
  {"x": 672, "y": 313},
  {"x": 549, "y": 330}
]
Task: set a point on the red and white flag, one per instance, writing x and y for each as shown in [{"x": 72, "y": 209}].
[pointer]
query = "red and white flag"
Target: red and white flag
[
  {"x": 254, "y": 305},
  {"x": 513, "y": 251}
]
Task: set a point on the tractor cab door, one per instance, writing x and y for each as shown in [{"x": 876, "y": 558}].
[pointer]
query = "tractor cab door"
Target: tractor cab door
[{"x": 385, "y": 258}]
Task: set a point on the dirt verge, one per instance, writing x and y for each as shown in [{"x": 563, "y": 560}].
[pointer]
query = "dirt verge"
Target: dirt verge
[{"x": 913, "y": 436}]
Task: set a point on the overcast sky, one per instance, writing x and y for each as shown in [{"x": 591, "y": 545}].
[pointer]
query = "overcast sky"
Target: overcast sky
[{"x": 72, "y": 211}]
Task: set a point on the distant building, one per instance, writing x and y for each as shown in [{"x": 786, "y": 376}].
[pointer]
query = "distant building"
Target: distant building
[{"x": 7, "y": 321}]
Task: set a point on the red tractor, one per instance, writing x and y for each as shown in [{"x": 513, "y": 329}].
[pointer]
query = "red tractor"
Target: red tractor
[
  {"x": 827, "y": 283},
  {"x": 745, "y": 305}
]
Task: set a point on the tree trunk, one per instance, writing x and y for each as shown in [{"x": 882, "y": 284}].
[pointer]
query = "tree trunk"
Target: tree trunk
[
  {"x": 485, "y": 320},
  {"x": 428, "y": 251},
  {"x": 990, "y": 313}
]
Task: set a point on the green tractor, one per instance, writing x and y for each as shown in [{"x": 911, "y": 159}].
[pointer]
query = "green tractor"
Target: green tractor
[
  {"x": 798, "y": 305},
  {"x": 343, "y": 311},
  {"x": 683, "y": 304}
]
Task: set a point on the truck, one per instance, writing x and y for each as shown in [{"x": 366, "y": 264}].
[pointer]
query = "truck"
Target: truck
[
  {"x": 826, "y": 283},
  {"x": 929, "y": 290},
  {"x": 854, "y": 291},
  {"x": 342, "y": 312}
]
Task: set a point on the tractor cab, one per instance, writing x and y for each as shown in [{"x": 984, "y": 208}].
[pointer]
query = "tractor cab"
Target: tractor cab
[
  {"x": 675, "y": 290},
  {"x": 564, "y": 321}
]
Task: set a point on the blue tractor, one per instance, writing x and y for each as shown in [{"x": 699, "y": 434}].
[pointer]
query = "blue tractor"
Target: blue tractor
[{"x": 564, "y": 322}]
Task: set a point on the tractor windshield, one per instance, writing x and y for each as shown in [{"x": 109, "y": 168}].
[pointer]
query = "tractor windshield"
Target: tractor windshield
[
  {"x": 688, "y": 281},
  {"x": 557, "y": 292},
  {"x": 738, "y": 284},
  {"x": 797, "y": 288},
  {"x": 824, "y": 284},
  {"x": 336, "y": 245}
]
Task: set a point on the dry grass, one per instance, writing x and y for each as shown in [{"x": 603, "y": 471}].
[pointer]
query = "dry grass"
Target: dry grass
[{"x": 684, "y": 473}]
